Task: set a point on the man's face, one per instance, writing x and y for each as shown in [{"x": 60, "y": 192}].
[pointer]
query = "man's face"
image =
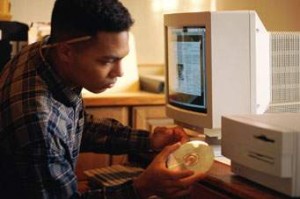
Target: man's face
[{"x": 97, "y": 66}]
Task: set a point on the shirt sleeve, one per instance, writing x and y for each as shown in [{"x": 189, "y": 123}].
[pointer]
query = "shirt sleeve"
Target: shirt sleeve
[{"x": 110, "y": 136}]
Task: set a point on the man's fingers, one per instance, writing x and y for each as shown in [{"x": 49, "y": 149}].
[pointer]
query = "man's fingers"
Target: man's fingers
[
  {"x": 180, "y": 135},
  {"x": 164, "y": 154},
  {"x": 181, "y": 174},
  {"x": 185, "y": 178},
  {"x": 192, "y": 179},
  {"x": 160, "y": 129}
]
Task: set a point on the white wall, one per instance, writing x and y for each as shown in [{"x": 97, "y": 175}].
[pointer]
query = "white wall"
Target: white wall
[
  {"x": 29, "y": 11},
  {"x": 277, "y": 15},
  {"x": 148, "y": 27},
  {"x": 148, "y": 31}
]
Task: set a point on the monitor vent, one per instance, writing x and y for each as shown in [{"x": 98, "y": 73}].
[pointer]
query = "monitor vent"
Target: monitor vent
[{"x": 285, "y": 59}]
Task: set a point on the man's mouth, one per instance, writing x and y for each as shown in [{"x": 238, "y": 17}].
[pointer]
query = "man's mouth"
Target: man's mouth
[{"x": 111, "y": 84}]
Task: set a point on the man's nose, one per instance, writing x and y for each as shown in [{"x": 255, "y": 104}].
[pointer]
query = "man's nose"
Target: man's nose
[{"x": 117, "y": 70}]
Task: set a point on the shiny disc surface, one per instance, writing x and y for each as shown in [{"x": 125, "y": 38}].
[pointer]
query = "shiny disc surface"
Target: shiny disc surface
[{"x": 194, "y": 155}]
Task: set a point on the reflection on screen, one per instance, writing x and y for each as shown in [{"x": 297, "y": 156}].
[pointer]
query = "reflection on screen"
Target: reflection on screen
[{"x": 186, "y": 71}]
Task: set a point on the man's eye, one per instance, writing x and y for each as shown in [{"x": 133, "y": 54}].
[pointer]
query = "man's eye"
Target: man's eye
[{"x": 106, "y": 62}]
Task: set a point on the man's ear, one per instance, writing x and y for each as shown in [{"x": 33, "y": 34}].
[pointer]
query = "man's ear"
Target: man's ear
[{"x": 65, "y": 52}]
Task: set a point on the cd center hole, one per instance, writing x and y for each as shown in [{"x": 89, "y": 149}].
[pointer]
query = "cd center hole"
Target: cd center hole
[{"x": 190, "y": 159}]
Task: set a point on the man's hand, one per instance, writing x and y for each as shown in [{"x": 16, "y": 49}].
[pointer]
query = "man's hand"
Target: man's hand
[
  {"x": 158, "y": 180},
  {"x": 163, "y": 136}
]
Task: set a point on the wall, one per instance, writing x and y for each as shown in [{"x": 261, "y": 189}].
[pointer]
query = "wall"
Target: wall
[
  {"x": 277, "y": 15},
  {"x": 29, "y": 11},
  {"x": 148, "y": 28}
]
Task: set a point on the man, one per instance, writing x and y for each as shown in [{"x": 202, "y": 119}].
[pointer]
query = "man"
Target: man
[{"x": 43, "y": 125}]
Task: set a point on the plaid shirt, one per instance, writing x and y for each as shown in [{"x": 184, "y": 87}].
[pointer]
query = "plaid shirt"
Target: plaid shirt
[{"x": 43, "y": 127}]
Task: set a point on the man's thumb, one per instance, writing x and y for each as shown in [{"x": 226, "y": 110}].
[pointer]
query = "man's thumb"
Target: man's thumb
[{"x": 168, "y": 150}]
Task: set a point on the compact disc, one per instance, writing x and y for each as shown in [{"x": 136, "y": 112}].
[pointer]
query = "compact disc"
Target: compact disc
[{"x": 195, "y": 155}]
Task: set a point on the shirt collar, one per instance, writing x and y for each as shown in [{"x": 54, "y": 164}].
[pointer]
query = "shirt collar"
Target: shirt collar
[{"x": 69, "y": 95}]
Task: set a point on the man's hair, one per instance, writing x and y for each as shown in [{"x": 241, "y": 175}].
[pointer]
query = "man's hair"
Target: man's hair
[{"x": 73, "y": 18}]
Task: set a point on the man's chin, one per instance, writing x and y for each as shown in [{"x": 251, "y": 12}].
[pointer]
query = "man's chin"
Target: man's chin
[{"x": 97, "y": 91}]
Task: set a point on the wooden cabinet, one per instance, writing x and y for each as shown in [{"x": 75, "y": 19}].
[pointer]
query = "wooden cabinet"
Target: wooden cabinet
[
  {"x": 121, "y": 113},
  {"x": 140, "y": 110},
  {"x": 148, "y": 117}
]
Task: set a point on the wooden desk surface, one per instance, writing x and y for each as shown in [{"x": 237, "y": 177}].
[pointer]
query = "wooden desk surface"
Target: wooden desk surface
[
  {"x": 226, "y": 184},
  {"x": 123, "y": 99}
]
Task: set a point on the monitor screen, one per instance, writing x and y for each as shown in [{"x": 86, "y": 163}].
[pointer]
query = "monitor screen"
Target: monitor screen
[{"x": 186, "y": 58}]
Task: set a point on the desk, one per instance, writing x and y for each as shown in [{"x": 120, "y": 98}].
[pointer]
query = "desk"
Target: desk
[{"x": 222, "y": 183}]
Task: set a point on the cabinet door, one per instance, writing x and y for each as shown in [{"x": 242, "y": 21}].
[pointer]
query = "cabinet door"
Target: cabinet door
[
  {"x": 88, "y": 161},
  {"x": 148, "y": 117}
]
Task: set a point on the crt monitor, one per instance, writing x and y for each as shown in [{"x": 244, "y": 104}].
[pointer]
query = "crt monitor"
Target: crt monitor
[{"x": 216, "y": 63}]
